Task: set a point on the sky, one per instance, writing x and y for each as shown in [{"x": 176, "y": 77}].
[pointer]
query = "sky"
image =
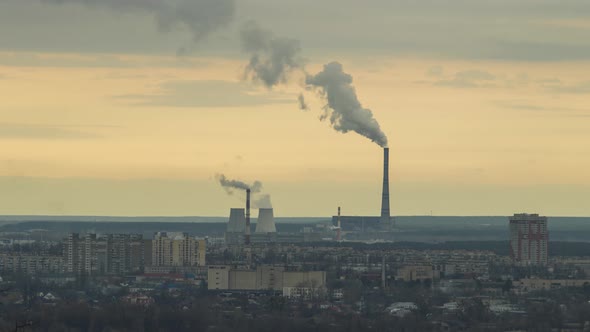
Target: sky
[{"x": 133, "y": 107}]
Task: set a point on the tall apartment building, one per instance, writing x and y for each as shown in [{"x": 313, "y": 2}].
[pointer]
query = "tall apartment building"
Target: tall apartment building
[
  {"x": 177, "y": 249},
  {"x": 529, "y": 239},
  {"x": 109, "y": 254}
]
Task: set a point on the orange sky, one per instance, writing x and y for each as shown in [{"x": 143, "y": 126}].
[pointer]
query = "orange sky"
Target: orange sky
[{"x": 447, "y": 130}]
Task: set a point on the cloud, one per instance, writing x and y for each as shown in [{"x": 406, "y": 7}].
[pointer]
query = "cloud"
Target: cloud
[
  {"x": 468, "y": 79},
  {"x": 200, "y": 17},
  {"x": 435, "y": 71},
  {"x": 206, "y": 94},
  {"x": 443, "y": 29},
  {"x": 31, "y": 131},
  {"x": 72, "y": 60},
  {"x": 557, "y": 86},
  {"x": 526, "y": 105}
]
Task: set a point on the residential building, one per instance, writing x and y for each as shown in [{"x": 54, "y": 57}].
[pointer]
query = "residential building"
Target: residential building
[
  {"x": 177, "y": 250},
  {"x": 529, "y": 239},
  {"x": 109, "y": 254}
]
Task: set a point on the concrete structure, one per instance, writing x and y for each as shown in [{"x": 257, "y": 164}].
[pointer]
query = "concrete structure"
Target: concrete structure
[
  {"x": 416, "y": 273},
  {"x": 218, "y": 277},
  {"x": 529, "y": 239},
  {"x": 265, "y": 277},
  {"x": 385, "y": 219},
  {"x": 236, "y": 227},
  {"x": 266, "y": 221}
]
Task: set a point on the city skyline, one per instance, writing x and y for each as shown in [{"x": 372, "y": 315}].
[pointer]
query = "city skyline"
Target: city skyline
[{"x": 106, "y": 119}]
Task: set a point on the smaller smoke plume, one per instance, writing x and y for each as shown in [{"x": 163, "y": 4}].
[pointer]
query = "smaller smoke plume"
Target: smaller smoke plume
[
  {"x": 258, "y": 200},
  {"x": 302, "y": 104},
  {"x": 343, "y": 107},
  {"x": 262, "y": 202},
  {"x": 230, "y": 185},
  {"x": 271, "y": 58}
]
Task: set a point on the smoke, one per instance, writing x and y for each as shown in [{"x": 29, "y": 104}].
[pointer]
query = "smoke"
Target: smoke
[
  {"x": 301, "y": 101},
  {"x": 343, "y": 107},
  {"x": 258, "y": 200},
  {"x": 271, "y": 58},
  {"x": 200, "y": 17},
  {"x": 230, "y": 185},
  {"x": 262, "y": 202}
]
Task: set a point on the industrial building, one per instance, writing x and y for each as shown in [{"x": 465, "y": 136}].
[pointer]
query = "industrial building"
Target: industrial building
[
  {"x": 265, "y": 277},
  {"x": 529, "y": 239},
  {"x": 380, "y": 223}
]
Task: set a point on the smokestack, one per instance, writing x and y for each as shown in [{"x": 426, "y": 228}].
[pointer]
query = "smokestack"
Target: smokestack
[
  {"x": 385, "y": 212},
  {"x": 247, "y": 238},
  {"x": 339, "y": 234}
]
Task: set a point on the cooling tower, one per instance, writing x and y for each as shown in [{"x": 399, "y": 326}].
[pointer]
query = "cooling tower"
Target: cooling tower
[
  {"x": 385, "y": 213},
  {"x": 266, "y": 221},
  {"x": 237, "y": 221}
]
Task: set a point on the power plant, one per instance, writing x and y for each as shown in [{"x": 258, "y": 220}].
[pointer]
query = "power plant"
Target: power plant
[
  {"x": 370, "y": 224},
  {"x": 351, "y": 227}
]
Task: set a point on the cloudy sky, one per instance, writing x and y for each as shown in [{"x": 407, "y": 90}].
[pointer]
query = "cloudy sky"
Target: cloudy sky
[{"x": 131, "y": 107}]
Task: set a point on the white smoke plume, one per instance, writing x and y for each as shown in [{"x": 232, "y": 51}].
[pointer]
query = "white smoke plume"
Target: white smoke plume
[
  {"x": 271, "y": 58},
  {"x": 258, "y": 200},
  {"x": 200, "y": 17},
  {"x": 262, "y": 202},
  {"x": 343, "y": 107},
  {"x": 230, "y": 184}
]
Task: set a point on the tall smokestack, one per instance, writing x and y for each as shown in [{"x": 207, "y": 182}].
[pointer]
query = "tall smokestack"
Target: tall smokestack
[
  {"x": 247, "y": 237},
  {"x": 339, "y": 232},
  {"x": 385, "y": 212}
]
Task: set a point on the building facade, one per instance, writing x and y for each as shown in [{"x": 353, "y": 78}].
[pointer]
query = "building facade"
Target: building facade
[
  {"x": 31, "y": 264},
  {"x": 265, "y": 277},
  {"x": 177, "y": 250},
  {"x": 109, "y": 254},
  {"x": 529, "y": 239}
]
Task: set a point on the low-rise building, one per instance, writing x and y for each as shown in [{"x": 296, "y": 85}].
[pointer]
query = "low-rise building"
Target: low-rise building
[
  {"x": 223, "y": 277},
  {"x": 31, "y": 264}
]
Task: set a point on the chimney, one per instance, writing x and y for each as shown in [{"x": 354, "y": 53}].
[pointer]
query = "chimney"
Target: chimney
[
  {"x": 339, "y": 231},
  {"x": 247, "y": 237},
  {"x": 385, "y": 213}
]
